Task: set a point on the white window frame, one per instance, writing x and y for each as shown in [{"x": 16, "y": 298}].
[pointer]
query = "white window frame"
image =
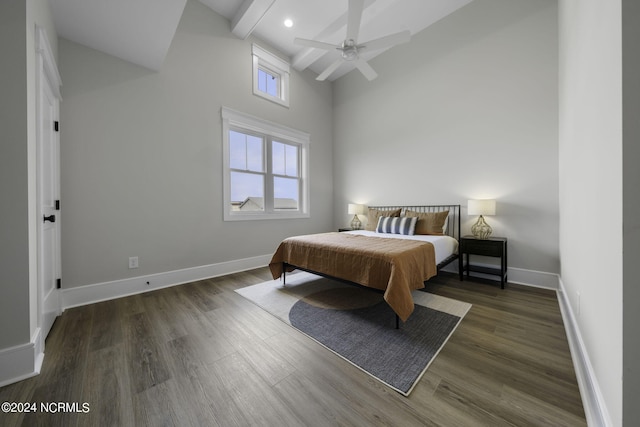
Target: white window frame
[
  {"x": 274, "y": 66},
  {"x": 237, "y": 121}
]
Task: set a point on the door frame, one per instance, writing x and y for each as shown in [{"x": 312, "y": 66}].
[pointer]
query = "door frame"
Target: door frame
[{"x": 49, "y": 302}]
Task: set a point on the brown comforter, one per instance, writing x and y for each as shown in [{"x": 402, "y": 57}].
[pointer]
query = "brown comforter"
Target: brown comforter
[{"x": 396, "y": 266}]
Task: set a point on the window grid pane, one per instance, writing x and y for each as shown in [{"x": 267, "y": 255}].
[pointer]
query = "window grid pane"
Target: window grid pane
[
  {"x": 268, "y": 82},
  {"x": 291, "y": 156},
  {"x": 246, "y": 152},
  {"x": 255, "y": 156},
  {"x": 286, "y": 192},
  {"x": 285, "y": 159},
  {"x": 277, "y": 158},
  {"x": 247, "y": 191}
]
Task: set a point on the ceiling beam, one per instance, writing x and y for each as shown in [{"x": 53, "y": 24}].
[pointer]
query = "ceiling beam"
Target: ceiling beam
[
  {"x": 306, "y": 57},
  {"x": 248, "y": 16}
]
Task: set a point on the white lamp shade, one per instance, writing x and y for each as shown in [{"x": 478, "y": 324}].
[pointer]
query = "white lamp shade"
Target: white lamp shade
[
  {"x": 481, "y": 207},
  {"x": 355, "y": 209}
]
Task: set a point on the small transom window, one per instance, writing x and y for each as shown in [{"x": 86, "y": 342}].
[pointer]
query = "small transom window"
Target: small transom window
[{"x": 270, "y": 76}]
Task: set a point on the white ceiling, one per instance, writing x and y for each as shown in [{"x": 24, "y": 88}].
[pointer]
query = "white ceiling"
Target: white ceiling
[{"x": 140, "y": 31}]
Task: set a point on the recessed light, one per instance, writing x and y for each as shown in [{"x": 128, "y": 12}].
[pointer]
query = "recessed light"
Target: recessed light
[{"x": 288, "y": 23}]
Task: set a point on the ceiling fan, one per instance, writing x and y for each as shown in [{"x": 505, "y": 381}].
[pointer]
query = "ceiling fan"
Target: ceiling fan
[{"x": 350, "y": 49}]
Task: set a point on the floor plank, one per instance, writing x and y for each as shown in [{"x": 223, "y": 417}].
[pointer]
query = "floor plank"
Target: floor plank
[{"x": 199, "y": 354}]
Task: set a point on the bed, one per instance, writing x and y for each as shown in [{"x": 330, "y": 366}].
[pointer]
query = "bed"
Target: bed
[{"x": 393, "y": 263}]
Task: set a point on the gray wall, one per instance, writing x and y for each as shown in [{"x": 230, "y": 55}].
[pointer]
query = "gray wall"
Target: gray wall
[
  {"x": 599, "y": 202},
  {"x": 467, "y": 109},
  {"x": 141, "y": 155},
  {"x": 14, "y": 178},
  {"x": 18, "y": 252},
  {"x": 631, "y": 209}
]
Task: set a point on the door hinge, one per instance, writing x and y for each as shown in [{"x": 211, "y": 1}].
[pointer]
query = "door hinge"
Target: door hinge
[
  {"x": 56, "y": 126},
  {"x": 57, "y": 205},
  {"x": 59, "y": 283}
]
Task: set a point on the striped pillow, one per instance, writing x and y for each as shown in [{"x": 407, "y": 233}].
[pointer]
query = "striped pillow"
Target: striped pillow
[{"x": 397, "y": 225}]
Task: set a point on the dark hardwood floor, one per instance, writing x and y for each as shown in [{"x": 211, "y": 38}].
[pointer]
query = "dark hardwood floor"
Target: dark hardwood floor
[{"x": 201, "y": 355}]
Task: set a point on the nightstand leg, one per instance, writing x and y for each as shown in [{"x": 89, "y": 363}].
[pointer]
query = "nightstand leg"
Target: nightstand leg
[{"x": 467, "y": 265}]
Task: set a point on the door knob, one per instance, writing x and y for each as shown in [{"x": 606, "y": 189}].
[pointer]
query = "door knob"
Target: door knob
[{"x": 51, "y": 218}]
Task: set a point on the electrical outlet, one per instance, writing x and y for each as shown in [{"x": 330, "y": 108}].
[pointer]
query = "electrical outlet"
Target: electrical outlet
[{"x": 133, "y": 262}]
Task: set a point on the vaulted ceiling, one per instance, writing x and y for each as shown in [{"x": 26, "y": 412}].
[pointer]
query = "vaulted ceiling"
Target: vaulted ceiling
[{"x": 140, "y": 31}]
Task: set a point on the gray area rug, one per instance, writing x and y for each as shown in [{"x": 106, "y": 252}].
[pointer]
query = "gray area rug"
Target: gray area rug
[{"x": 359, "y": 326}]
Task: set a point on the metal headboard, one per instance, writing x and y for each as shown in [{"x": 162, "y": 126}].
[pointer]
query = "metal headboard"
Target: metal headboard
[{"x": 453, "y": 226}]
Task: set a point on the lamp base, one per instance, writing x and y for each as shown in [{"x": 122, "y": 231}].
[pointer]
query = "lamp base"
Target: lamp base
[
  {"x": 481, "y": 230},
  {"x": 355, "y": 222}
]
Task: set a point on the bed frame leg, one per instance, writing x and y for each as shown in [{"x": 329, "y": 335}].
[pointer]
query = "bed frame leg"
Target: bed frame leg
[{"x": 284, "y": 274}]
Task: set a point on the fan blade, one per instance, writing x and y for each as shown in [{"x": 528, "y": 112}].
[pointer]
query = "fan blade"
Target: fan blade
[
  {"x": 354, "y": 15},
  {"x": 330, "y": 69},
  {"x": 314, "y": 43},
  {"x": 386, "y": 41},
  {"x": 365, "y": 69}
]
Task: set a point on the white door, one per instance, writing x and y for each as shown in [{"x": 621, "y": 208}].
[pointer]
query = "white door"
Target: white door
[{"x": 48, "y": 190}]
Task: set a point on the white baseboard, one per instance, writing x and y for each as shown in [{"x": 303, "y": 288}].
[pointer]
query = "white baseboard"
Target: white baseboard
[
  {"x": 538, "y": 279},
  {"x": 595, "y": 407},
  {"x": 593, "y": 402},
  {"x": 89, "y": 294},
  {"x": 22, "y": 361},
  {"x": 520, "y": 276}
]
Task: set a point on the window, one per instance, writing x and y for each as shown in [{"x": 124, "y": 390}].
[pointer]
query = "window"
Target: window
[
  {"x": 268, "y": 82},
  {"x": 270, "y": 76},
  {"x": 265, "y": 169}
]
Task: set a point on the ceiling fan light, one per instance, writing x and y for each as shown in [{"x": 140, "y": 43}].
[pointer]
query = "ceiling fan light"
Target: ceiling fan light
[
  {"x": 350, "y": 54},
  {"x": 349, "y": 50}
]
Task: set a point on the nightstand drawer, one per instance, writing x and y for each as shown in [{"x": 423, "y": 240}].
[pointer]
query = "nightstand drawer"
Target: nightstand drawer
[
  {"x": 492, "y": 247},
  {"x": 483, "y": 247}
]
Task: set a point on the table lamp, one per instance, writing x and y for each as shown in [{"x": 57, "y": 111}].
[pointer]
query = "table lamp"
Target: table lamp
[
  {"x": 355, "y": 210},
  {"x": 481, "y": 230}
]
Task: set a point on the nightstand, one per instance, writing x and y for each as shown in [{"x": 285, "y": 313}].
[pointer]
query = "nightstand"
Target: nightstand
[{"x": 493, "y": 246}]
